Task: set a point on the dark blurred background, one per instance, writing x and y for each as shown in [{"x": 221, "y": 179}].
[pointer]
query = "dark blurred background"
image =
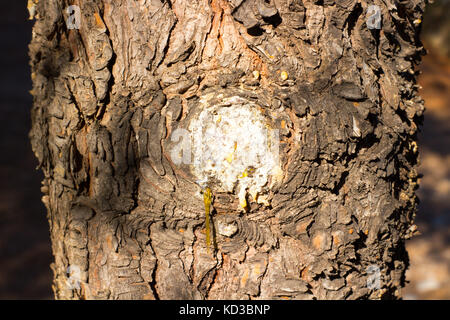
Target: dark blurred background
[{"x": 25, "y": 249}]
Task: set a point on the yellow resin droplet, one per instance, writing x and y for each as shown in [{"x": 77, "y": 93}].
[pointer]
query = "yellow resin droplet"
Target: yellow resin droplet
[
  {"x": 254, "y": 195},
  {"x": 207, "y": 197},
  {"x": 284, "y": 75},
  {"x": 243, "y": 202},
  {"x": 229, "y": 157},
  {"x": 242, "y": 199}
]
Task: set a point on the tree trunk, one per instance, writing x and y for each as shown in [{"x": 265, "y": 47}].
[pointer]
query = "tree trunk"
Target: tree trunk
[{"x": 300, "y": 117}]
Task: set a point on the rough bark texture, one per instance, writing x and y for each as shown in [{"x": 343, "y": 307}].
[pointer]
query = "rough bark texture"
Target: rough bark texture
[{"x": 107, "y": 97}]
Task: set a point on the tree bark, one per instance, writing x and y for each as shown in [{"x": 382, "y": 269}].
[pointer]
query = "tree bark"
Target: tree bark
[{"x": 127, "y": 219}]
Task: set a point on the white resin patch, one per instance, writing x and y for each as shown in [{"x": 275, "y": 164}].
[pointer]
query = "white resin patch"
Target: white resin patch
[{"x": 235, "y": 149}]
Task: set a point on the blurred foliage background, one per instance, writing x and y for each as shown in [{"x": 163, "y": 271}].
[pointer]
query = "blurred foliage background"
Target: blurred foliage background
[{"x": 25, "y": 249}]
